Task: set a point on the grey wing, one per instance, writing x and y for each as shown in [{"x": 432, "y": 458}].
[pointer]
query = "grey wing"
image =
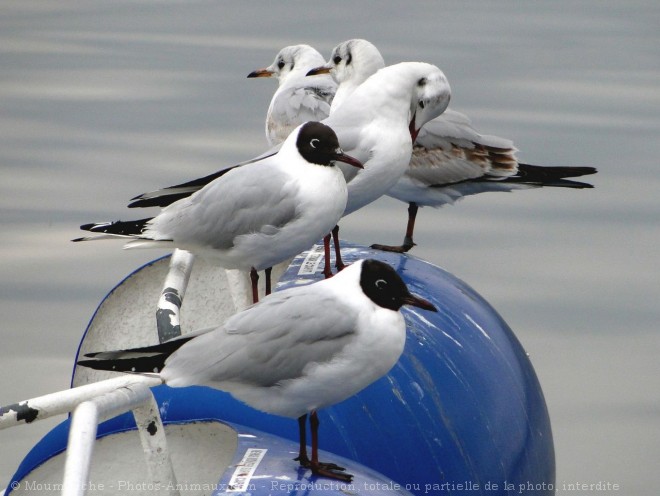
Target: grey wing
[
  {"x": 250, "y": 199},
  {"x": 449, "y": 150},
  {"x": 271, "y": 342},
  {"x": 166, "y": 196}
]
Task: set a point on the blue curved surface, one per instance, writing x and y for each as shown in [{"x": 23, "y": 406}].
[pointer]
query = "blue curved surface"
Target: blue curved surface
[
  {"x": 277, "y": 473},
  {"x": 461, "y": 413}
]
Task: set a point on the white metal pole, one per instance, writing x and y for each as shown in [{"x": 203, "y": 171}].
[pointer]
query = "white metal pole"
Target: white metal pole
[
  {"x": 65, "y": 401},
  {"x": 82, "y": 433},
  {"x": 154, "y": 445},
  {"x": 168, "y": 320}
]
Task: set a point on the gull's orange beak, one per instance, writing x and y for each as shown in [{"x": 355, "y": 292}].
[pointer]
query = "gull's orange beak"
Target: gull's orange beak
[
  {"x": 324, "y": 69},
  {"x": 260, "y": 73}
]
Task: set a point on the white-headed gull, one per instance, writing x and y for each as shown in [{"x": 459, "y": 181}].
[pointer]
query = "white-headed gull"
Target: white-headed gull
[
  {"x": 257, "y": 215},
  {"x": 295, "y": 352},
  {"x": 379, "y": 121},
  {"x": 298, "y": 98},
  {"x": 450, "y": 158}
]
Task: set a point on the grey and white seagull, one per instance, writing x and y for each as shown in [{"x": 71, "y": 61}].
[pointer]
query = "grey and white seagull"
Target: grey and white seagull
[
  {"x": 450, "y": 159},
  {"x": 253, "y": 216},
  {"x": 376, "y": 124},
  {"x": 295, "y": 352},
  {"x": 298, "y": 98}
]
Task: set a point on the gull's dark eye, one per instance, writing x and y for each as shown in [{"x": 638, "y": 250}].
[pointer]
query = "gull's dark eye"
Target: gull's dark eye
[
  {"x": 336, "y": 60},
  {"x": 421, "y": 104},
  {"x": 280, "y": 64},
  {"x": 381, "y": 283},
  {"x": 314, "y": 142},
  {"x": 421, "y": 82}
]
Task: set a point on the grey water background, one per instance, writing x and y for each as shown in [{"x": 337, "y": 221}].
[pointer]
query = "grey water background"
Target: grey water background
[{"x": 100, "y": 101}]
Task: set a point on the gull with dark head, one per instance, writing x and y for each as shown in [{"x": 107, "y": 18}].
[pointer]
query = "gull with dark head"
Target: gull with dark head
[
  {"x": 298, "y": 98},
  {"x": 450, "y": 159},
  {"x": 376, "y": 124},
  {"x": 253, "y": 216},
  {"x": 295, "y": 352}
]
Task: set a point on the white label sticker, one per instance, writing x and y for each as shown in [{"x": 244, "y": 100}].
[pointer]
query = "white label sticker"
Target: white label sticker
[
  {"x": 312, "y": 261},
  {"x": 245, "y": 469}
]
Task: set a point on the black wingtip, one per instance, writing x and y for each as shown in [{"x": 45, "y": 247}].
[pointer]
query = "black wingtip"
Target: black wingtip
[
  {"x": 567, "y": 183},
  {"x": 140, "y": 365},
  {"x": 556, "y": 172},
  {"x": 94, "y": 364},
  {"x": 158, "y": 201},
  {"x": 109, "y": 365},
  {"x": 153, "y": 359}
]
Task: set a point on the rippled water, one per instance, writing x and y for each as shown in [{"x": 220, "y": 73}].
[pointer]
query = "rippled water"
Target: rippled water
[{"x": 100, "y": 101}]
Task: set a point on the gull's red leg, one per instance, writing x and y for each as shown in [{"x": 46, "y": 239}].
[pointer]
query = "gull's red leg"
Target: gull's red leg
[
  {"x": 339, "y": 263},
  {"x": 268, "y": 282},
  {"x": 323, "y": 469},
  {"x": 408, "y": 242},
  {"x": 254, "y": 277},
  {"x": 327, "y": 271}
]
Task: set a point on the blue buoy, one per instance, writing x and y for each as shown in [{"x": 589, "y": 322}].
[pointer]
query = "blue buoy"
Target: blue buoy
[{"x": 461, "y": 413}]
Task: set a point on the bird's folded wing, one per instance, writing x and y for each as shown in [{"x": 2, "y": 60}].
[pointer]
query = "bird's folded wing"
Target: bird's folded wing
[
  {"x": 449, "y": 150},
  {"x": 260, "y": 199},
  {"x": 304, "y": 103},
  {"x": 168, "y": 195},
  {"x": 257, "y": 349}
]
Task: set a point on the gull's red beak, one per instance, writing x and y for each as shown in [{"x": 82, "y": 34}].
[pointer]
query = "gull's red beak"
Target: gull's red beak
[
  {"x": 418, "y": 302},
  {"x": 413, "y": 132},
  {"x": 342, "y": 157}
]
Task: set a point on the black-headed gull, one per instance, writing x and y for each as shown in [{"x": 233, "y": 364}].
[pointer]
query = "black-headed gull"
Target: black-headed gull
[
  {"x": 298, "y": 98},
  {"x": 295, "y": 352},
  {"x": 450, "y": 158},
  {"x": 256, "y": 215},
  {"x": 375, "y": 125},
  {"x": 291, "y": 66}
]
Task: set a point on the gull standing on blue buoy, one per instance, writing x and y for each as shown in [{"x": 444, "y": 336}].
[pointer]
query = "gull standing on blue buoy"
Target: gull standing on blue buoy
[
  {"x": 376, "y": 124},
  {"x": 297, "y": 351}
]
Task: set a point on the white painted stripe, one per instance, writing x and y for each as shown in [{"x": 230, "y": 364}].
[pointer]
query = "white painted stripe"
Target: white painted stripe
[
  {"x": 245, "y": 469},
  {"x": 312, "y": 261}
]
